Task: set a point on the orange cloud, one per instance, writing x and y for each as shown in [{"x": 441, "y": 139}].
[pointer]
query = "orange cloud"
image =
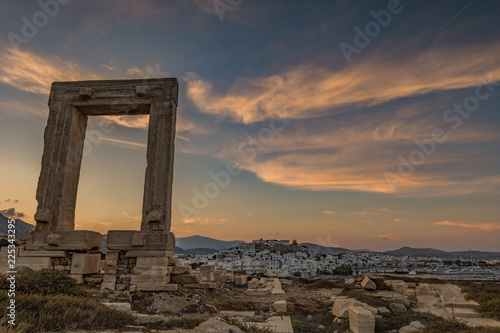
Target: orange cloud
[
  {"x": 311, "y": 91},
  {"x": 206, "y": 221},
  {"x": 33, "y": 73},
  {"x": 330, "y": 212},
  {"x": 354, "y": 153},
  {"x": 485, "y": 226}
]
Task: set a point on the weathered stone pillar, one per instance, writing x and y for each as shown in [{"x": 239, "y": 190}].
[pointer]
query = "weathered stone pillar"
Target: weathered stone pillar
[
  {"x": 61, "y": 161},
  {"x": 156, "y": 210}
]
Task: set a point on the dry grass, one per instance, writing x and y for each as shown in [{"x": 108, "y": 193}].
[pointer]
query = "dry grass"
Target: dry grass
[
  {"x": 442, "y": 326},
  {"x": 62, "y": 312},
  {"x": 487, "y": 294},
  {"x": 396, "y": 321}
]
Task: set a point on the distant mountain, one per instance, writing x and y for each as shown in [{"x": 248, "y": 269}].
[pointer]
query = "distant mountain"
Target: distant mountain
[
  {"x": 409, "y": 251},
  {"x": 202, "y": 251},
  {"x": 22, "y": 228},
  {"x": 428, "y": 252},
  {"x": 197, "y": 242},
  {"x": 324, "y": 249}
]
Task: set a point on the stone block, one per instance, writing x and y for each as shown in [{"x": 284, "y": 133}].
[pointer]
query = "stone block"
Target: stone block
[
  {"x": 70, "y": 240},
  {"x": 124, "y": 307},
  {"x": 350, "y": 281},
  {"x": 140, "y": 240},
  {"x": 208, "y": 276},
  {"x": 424, "y": 289},
  {"x": 150, "y": 279},
  {"x": 152, "y": 261},
  {"x": 35, "y": 263},
  {"x": 400, "y": 287},
  {"x": 173, "y": 261},
  {"x": 368, "y": 284},
  {"x": 207, "y": 268},
  {"x": 40, "y": 253},
  {"x": 109, "y": 278},
  {"x": 111, "y": 263},
  {"x": 240, "y": 280},
  {"x": 85, "y": 263},
  {"x": 185, "y": 279},
  {"x": 109, "y": 286},
  {"x": 341, "y": 307},
  {"x": 253, "y": 284},
  {"x": 401, "y": 299},
  {"x": 151, "y": 270},
  {"x": 279, "y": 306},
  {"x": 361, "y": 320},
  {"x": 176, "y": 270},
  {"x": 148, "y": 287}
]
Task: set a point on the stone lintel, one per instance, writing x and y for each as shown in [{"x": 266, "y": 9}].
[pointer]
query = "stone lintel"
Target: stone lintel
[
  {"x": 68, "y": 240},
  {"x": 99, "y": 92},
  {"x": 141, "y": 241}
]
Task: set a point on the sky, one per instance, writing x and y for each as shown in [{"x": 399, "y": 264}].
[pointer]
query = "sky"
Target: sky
[{"x": 359, "y": 124}]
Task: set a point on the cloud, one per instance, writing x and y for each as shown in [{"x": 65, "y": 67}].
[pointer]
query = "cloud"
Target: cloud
[
  {"x": 35, "y": 73},
  {"x": 206, "y": 221},
  {"x": 329, "y": 212},
  {"x": 11, "y": 213},
  {"x": 389, "y": 237},
  {"x": 485, "y": 226},
  {"x": 136, "y": 218},
  {"x": 309, "y": 91},
  {"x": 355, "y": 152}
]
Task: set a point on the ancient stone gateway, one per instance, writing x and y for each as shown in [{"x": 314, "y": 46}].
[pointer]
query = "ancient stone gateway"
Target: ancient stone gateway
[{"x": 70, "y": 105}]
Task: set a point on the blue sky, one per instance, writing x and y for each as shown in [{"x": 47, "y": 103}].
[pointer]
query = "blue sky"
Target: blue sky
[{"x": 368, "y": 124}]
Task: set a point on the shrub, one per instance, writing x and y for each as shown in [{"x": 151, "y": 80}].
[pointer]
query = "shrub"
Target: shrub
[
  {"x": 45, "y": 282},
  {"x": 490, "y": 308},
  {"x": 487, "y": 294},
  {"x": 456, "y": 327},
  {"x": 396, "y": 321},
  {"x": 63, "y": 312},
  {"x": 302, "y": 323}
]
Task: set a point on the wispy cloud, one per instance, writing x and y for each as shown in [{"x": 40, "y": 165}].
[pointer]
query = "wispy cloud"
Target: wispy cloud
[
  {"x": 353, "y": 153},
  {"x": 485, "y": 226},
  {"x": 329, "y": 212},
  {"x": 205, "y": 221},
  {"x": 35, "y": 73},
  {"x": 311, "y": 91}
]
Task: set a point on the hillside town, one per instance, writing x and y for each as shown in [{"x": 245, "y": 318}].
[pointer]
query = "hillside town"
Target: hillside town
[{"x": 282, "y": 258}]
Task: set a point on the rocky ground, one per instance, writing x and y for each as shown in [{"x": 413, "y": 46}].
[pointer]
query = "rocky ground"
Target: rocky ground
[{"x": 321, "y": 306}]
